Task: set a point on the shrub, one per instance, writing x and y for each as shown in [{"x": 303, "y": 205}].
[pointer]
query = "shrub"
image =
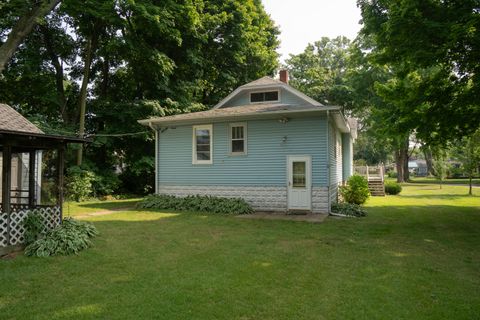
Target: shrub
[
  {"x": 392, "y": 188},
  {"x": 105, "y": 183},
  {"x": 356, "y": 191},
  {"x": 392, "y": 174},
  {"x": 203, "y": 204},
  {"x": 70, "y": 237},
  {"x": 34, "y": 225},
  {"x": 79, "y": 183},
  {"x": 349, "y": 209}
]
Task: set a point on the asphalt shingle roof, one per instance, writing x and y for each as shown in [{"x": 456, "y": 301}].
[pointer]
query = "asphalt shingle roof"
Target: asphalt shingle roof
[
  {"x": 11, "y": 120},
  {"x": 238, "y": 111}
]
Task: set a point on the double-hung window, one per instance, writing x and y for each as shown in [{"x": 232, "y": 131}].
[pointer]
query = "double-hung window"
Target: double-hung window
[
  {"x": 238, "y": 138},
  {"x": 202, "y": 144}
]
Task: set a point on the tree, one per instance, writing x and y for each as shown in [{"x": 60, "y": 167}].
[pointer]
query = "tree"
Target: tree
[
  {"x": 467, "y": 150},
  {"x": 28, "y": 13},
  {"x": 320, "y": 70},
  {"x": 435, "y": 44},
  {"x": 440, "y": 166},
  {"x": 147, "y": 58}
]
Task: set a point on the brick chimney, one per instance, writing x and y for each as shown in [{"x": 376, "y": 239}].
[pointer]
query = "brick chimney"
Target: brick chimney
[{"x": 284, "y": 76}]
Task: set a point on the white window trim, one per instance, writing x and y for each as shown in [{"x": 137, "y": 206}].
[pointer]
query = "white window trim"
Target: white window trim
[
  {"x": 261, "y": 91},
  {"x": 194, "y": 144},
  {"x": 245, "y": 138}
]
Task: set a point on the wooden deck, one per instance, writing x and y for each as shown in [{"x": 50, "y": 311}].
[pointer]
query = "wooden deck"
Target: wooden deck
[{"x": 375, "y": 177}]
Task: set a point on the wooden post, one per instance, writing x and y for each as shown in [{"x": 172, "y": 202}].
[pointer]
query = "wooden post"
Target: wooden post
[
  {"x": 31, "y": 179},
  {"x": 60, "y": 180},
  {"x": 7, "y": 185}
]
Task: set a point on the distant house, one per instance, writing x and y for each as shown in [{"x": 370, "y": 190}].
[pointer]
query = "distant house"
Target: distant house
[
  {"x": 418, "y": 167},
  {"x": 265, "y": 142}
]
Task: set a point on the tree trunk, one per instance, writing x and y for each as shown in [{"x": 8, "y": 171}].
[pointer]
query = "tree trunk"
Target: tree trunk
[
  {"x": 59, "y": 75},
  {"x": 399, "y": 164},
  {"x": 83, "y": 93},
  {"x": 406, "y": 172},
  {"x": 427, "y": 153},
  {"x": 470, "y": 191},
  {"x": 22, "y": 29}
]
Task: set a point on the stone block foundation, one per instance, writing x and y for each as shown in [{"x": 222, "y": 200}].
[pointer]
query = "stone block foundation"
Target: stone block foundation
[{"x": 261, "y": 198}]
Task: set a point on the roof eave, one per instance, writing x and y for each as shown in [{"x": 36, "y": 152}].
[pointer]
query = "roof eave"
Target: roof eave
[{"x": 164, "y": 121}]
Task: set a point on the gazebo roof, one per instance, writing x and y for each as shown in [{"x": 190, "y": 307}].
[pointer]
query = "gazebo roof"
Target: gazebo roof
[
  {"x": 11, "y": 120},
  {"x": 17, "y": 131}
]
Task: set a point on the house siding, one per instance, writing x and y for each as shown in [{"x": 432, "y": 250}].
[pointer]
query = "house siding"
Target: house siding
[
  {"x": 347, "y": 157},
  {"x": 243, "y": 98},
  {"x": 336, "y": 163},
  {"x": 264, "y": 164}
]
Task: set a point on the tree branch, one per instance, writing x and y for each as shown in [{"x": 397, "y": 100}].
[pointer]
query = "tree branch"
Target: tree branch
[{"x": 22, "y": 29}]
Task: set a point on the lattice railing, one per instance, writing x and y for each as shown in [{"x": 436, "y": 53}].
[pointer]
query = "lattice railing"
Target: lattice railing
[{"x": 51, "y": 216}]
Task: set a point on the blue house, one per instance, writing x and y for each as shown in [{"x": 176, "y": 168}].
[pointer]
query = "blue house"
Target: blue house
[{"x": 265, "y": 142}]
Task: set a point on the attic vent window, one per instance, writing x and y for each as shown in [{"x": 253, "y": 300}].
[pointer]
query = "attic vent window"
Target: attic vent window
[{"x": 267, "y": 96}]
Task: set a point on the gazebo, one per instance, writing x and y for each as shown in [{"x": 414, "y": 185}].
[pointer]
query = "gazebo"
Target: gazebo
[{"x": 23, "y": 165}]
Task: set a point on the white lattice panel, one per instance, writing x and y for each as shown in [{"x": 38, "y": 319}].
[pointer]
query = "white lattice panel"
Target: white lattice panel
[
  {"x": 3, "y": 229},
  {"x": 50, "y": 215},
  {"x": 16, "y": 226}
]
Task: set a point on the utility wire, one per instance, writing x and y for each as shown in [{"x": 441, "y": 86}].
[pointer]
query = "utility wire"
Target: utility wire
[{"x": 117, "y": 134}]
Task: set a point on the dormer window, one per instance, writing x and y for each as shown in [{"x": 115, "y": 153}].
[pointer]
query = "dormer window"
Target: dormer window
[{"x": 264, "y": 96}]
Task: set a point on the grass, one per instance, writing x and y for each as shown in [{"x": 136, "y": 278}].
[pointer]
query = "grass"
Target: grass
[
  {"x": 72, "y": 208},
  {"x": 415, "y": 256},
  {"x": 463, "y": 181},
  {"x": 431, "y": 180}
]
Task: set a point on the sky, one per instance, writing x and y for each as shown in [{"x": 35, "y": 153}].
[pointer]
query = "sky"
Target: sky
[{"x": 305, "y": 21}]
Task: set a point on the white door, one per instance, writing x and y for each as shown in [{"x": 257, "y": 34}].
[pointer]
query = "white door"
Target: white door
[{"x": 299, "y": 171}]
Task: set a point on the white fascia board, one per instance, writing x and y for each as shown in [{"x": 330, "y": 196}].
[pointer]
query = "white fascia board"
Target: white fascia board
[{"x": 341, "y": 122}]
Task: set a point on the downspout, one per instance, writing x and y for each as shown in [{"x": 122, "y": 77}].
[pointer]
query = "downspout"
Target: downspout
[
  {"x": 328, "y": 163},
  {"x": 156, "y": 155}
]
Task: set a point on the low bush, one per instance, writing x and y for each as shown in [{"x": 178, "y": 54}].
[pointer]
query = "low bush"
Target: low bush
[
  {"x": 349, "y": 209},
  {"x": 392, "y": 174},
  {"x": 79, "y": 184},
  {"x": 71, "y": 237},
  {"x": 392, "y": 188},
  {"x": 356, "y": 191},
  {"x": 34, "y": 226},
  {"x": 203, "y": 204}
]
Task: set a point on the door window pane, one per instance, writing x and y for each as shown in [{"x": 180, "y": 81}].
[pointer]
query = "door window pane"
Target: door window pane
[{"x": 299, "y": 174}]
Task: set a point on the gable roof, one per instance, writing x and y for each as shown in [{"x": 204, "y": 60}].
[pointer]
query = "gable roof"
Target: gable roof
[
  {"x": 245, "y": 112},
  {"x": 11, "y": 120},
  {"x": 264, "y": 83}
]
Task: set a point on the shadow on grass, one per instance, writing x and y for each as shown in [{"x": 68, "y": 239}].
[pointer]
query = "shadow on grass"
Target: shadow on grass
[
  {"x": 107, "y": 205},
  {"x": 179, "y": 262},
  {"x": 441, "y": 196}
]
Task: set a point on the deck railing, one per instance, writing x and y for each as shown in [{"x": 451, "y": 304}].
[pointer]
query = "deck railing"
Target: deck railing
[{"x": 371, "y": 172}]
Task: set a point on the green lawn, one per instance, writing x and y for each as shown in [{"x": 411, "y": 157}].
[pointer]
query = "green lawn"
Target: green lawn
[
  {"x": 72, "y": 208},
  {"x": 416, "y": 256},
  {"x": 446, "y": 181},
  {"x": 430, "y": 180}
]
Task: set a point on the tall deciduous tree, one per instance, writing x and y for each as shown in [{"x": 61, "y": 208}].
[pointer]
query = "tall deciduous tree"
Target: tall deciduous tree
[
  {"x": 437, "y": 45},
  {"x": 26, "y": 16},
  {"x": 320, "y": 70},
  {"x": 147, "y": 57}
]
